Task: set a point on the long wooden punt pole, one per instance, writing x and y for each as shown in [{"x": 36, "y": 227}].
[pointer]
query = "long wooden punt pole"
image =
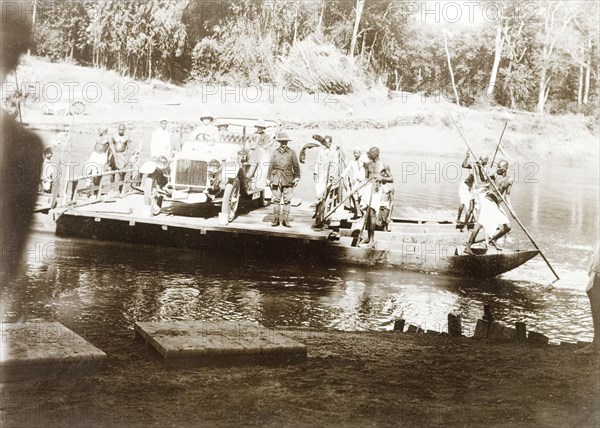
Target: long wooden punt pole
[
  {"x": 513, "y": 214},
  {"x": 476, "y": 168},
  {"x": 346, "y": 198},
  {"x": 499, "y": 142}
]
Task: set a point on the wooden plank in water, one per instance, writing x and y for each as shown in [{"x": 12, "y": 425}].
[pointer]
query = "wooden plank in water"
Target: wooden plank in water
[
  {"x": 192, "y": 343},
  {"x": 40, "y": 348}
]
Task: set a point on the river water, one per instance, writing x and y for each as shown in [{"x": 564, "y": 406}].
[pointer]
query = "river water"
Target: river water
[{"x": 101, "y": 288}]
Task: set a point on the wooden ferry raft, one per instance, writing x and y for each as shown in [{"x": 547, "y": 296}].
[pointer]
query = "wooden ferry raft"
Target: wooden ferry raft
[{"x": 418, "y": 246}]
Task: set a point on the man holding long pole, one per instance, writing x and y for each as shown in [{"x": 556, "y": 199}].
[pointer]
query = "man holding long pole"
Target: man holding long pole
[
  {"x": 491, "y": 216},
  {"x": 512, "y": 212},
  {"x": 468, "y": 189}
]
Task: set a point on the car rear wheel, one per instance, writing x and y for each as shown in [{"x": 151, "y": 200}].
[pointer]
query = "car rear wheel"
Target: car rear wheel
[{"x": 231, "y": 199}]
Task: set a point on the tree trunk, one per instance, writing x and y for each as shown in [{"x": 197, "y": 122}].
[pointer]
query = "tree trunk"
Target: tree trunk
[
  {"x": 542, "y": 88},
  {"x": 547, "y": 91},
  {"x": 372, "y": 47},
  {"x": 150, "y": 62},
  {"x": 497, "y": 57},
  {"x": 359, "y": 9},
  {"x": 362, "y": 49},
  {"x": 295, "y": 25},
  {"x": 320, "y": 24},
  {"x": 580, "y": 86},
  {"x": 33, "y": 14},
  {"x": 513, "y": 101},
  {"x": 588, "y": 70}
]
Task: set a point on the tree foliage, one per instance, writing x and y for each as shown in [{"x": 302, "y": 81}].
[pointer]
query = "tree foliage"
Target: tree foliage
[{"x": 522, "y": 60}]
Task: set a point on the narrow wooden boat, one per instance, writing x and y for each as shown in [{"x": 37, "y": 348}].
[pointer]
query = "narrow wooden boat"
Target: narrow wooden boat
[{"x": 434, "y": 257}]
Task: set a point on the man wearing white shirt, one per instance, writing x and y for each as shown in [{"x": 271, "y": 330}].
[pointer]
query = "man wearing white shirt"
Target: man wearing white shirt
[
  {"x": 161, "y": 141},
  {"x": 355, "y": 171}
]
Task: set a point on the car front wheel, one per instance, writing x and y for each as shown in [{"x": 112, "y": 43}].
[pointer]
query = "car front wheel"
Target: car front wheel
[{"x": 231, "y": 199}]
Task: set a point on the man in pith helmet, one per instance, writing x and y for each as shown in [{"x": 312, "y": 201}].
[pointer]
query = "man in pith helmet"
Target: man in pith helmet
[{"x": 283, "y": 175}]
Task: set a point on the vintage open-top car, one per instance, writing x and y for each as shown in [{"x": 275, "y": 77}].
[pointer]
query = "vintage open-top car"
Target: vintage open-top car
[{"x": 223, "y": 170}]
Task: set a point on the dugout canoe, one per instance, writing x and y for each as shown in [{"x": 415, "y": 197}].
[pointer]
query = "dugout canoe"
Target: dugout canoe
[{"x": 425, "y": 255}]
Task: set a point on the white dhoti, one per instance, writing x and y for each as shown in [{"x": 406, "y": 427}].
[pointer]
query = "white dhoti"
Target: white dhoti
[
  {"x": 491, "y": 216},
  {"x": 320, "y": 187},
  {"x": 96, "y": 163},
  {"x": 465, "y": 194},
  {"x": 374, "y": 200},
  {"x": 95, "y": 166}
]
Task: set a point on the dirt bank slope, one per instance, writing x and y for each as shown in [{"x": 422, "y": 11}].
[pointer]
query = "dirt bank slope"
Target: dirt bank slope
[{"x": 412, "y": 123}]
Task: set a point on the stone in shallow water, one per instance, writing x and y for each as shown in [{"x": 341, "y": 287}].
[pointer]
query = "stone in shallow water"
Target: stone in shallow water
[
  {"x": 45, "y": 348},
  {"x": 192, "y": 343}
]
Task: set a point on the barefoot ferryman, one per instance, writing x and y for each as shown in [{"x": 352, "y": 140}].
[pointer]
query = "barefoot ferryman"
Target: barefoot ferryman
[{"x": 491, "y": 215}]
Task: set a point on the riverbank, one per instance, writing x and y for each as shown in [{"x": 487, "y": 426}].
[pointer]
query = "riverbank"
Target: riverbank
[
  {"x": 409, "y": 123},
  {"x": 349, "y": 379}
]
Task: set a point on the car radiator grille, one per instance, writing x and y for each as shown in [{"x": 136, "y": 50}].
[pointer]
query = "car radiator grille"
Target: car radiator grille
[{"x": 191, "y": 172}]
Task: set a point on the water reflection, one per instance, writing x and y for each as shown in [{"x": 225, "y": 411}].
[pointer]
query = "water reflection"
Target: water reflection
[{"x": 106, "y": 290}]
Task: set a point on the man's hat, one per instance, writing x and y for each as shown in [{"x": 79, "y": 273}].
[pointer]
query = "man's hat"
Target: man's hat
[
  {"x": 283, "y": 136},
  {"x": 261, "y": 124},
  {"x": 163, "y": 119},
  {"x": 328, "y": 138},
  {"x": 207, "y": 115}
]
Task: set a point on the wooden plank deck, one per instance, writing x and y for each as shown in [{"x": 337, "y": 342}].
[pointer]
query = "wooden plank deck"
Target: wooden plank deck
[{"x": 257, "y": 221}]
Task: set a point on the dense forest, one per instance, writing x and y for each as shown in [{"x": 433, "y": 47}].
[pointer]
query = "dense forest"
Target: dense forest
[{"x": 529, "y": 55}]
